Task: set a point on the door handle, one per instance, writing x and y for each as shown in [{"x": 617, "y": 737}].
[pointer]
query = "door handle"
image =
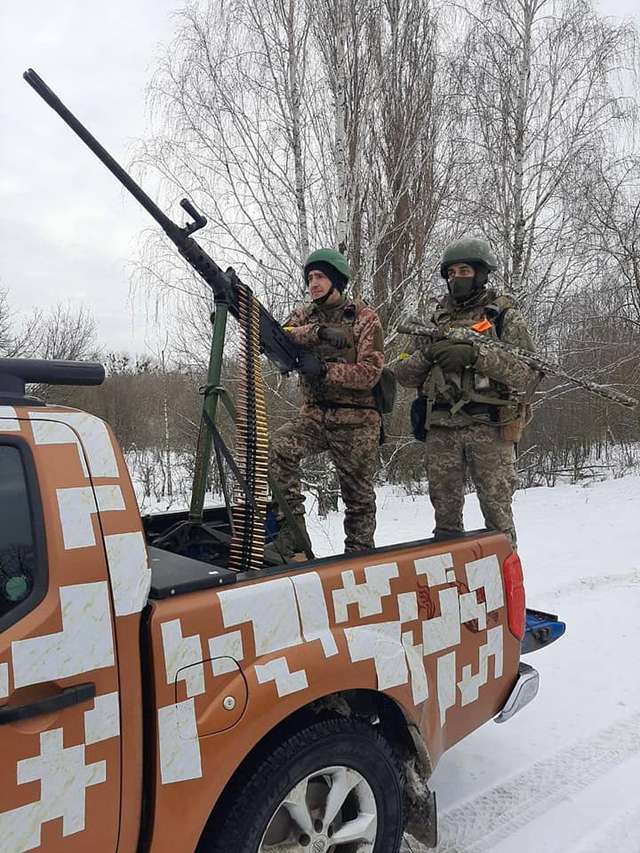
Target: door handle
[{"x": 64, "y": 699}]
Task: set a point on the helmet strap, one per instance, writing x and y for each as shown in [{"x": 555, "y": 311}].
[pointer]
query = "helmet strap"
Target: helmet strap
[
  {"x": 322, "y": 299},
  {"x": 481, "y": 276}
]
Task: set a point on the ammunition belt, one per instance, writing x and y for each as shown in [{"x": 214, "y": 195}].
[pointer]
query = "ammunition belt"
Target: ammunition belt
[{"x": 252, "y": 444}]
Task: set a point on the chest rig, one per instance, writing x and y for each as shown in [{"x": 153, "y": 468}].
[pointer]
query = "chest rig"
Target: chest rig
[
  {"x": 318, "y": 391},
  {"x": 466, "y": 396},
  {"x": 342, "y": 317}
]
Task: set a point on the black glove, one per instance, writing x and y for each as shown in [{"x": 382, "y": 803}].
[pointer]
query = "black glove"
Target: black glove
[
  {"x": 337, "y": 338},
  {"x": 311, "y": 366},
  {"x": 452, "y": 356}
]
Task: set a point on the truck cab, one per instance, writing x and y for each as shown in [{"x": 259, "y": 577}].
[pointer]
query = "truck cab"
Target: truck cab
[{"x": 153, "y": 701}]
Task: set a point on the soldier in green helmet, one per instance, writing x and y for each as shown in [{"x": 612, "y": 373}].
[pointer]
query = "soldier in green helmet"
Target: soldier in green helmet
[
  {"x": 339, "y": 411},
  {"x": 472, "y": 400}
]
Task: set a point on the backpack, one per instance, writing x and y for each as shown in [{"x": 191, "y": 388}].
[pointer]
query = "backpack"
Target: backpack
[{"x": 384, "y": 391}]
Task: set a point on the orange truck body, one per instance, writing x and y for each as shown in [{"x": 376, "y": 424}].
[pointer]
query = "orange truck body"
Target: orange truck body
[{"x": 187, "y": 684}]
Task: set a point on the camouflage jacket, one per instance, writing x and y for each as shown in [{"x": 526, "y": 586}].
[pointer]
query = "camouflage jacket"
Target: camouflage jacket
[
  {"x": 352, "y": 372},
  {"x": 495, "y": 374}
]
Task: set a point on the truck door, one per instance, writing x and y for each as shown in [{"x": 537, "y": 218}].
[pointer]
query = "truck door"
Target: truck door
[{"x": 59, "y": 701}]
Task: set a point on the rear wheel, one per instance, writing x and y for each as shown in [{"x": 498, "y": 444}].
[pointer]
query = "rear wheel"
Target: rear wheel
[{"x": 335, "y": 786}]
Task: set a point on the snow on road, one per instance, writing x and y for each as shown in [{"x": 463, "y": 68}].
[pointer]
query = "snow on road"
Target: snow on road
[{"x": 563, "y": 775}]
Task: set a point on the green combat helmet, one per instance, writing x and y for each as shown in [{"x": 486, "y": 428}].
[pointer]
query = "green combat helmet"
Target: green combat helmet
[
  {"x": 468, "y": 250},
  {"x": 331, "y": 257},
  {"x": 333, "y": 265}
]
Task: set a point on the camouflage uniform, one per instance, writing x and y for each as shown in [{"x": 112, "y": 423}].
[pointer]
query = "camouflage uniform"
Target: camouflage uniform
[
  {"x": 338, "y": 414},
  {"x": 474, "y": 438}
]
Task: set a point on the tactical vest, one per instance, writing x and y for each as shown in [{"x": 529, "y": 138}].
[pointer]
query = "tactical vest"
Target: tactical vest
[
  {"x": 465, "y": 397},
  {"x": 319, "y": 392}
]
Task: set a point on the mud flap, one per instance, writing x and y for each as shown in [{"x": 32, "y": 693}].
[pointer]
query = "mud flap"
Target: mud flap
[
  {"x": 422, "y": 816},
  {"x": 420, "y": 801}
]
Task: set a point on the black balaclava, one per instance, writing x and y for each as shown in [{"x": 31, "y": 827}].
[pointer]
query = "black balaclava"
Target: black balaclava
[
  {"x": 465, "y": 289},
  {"x": 338, "y": 281}
]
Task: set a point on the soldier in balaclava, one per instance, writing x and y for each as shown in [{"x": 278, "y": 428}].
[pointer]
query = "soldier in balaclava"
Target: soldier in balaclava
[{"x": 472, "y": 399}]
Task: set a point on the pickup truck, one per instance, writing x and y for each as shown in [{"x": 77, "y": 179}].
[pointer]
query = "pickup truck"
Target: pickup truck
[{"x": 150, "y": 701}]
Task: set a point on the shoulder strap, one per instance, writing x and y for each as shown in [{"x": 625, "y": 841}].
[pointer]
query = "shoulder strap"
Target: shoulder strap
[
  {"x": 499, "y": 321},
  {"x": 500, "y": 306},
  {"x": 308, "y": 310},
  {"x": 351, "y": 311}
]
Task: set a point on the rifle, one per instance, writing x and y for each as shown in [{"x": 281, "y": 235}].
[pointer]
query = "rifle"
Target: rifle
[{"x": 543, "y": 367}]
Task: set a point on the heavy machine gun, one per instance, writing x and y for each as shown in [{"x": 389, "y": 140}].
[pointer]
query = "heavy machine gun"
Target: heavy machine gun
[{"x": 261, "y": 333}]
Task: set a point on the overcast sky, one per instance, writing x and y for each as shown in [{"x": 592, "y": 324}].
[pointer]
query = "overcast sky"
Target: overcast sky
[{"x": 67, "y": 229}]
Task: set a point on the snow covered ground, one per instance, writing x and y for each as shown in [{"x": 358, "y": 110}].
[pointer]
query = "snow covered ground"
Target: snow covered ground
[{"x": 563, "y": 776}]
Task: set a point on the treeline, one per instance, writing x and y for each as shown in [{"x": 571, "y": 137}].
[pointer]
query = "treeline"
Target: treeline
[
  {"x": 154, "y": 405},
  {"x": 155, "y": 412}
]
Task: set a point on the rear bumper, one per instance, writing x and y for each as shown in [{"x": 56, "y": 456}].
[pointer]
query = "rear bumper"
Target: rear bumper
[{"x": 524, "y": 690}]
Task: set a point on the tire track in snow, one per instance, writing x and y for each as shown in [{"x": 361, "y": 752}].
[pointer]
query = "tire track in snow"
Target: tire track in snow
[
  {"x": 588, "y": 584},
  {"x": 478, "y": 824}
]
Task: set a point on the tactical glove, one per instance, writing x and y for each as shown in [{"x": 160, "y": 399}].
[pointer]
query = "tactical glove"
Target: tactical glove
[
  {"x": 311, "y": 366},
  {"x": 337, "y": 338},
  {"x": 452, "y": 356}
]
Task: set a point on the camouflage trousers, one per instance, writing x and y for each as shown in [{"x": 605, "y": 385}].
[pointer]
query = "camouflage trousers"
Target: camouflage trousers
[
  {"x": 353, "y": 451},
  {"x": 478, "y": 450}
]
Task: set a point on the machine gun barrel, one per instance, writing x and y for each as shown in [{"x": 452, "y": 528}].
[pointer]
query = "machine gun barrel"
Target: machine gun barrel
[
  {"x": 275, "y": 343},
  {"x": 37, "y": 83}
]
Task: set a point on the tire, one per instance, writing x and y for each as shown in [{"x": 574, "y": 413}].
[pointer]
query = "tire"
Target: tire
[{"x": 337, "y": 754}]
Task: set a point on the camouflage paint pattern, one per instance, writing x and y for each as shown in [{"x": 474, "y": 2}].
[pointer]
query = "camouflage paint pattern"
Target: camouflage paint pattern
[{"x": 423, "y": 623}]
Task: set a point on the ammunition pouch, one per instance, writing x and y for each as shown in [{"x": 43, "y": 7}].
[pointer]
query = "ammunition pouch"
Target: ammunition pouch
[{"x": 513, "y": 420}]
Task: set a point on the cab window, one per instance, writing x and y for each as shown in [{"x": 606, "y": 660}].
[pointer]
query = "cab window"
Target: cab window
[{"x": 22, "y": 573}]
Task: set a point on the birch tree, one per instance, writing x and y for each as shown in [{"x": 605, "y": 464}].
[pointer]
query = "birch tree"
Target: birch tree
[
  {"x": 535, "y": 81},
  {"x": 409, "y": 176},
  {"x": 6, "y": 337},
  {"x": 227, "y": 107},
  {"x": 611, "y": 224}
]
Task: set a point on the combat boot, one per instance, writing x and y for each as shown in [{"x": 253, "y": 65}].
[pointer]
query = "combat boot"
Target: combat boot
[
  {"x": 442, "y": 533},
  {"x": 288, "y": 541}
]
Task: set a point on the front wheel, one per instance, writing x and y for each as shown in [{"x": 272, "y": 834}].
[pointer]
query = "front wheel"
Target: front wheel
[{"x": 335, "y": 786}]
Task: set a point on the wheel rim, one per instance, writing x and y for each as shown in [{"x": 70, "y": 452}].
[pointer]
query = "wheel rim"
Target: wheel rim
[{"x": 329, "y": 811}]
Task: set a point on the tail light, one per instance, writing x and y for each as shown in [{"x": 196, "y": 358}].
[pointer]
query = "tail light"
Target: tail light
[{"x": 514, "y": 590}]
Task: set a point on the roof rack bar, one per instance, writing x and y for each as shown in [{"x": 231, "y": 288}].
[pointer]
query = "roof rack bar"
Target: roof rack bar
[{"x": 15, "y": 372}]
